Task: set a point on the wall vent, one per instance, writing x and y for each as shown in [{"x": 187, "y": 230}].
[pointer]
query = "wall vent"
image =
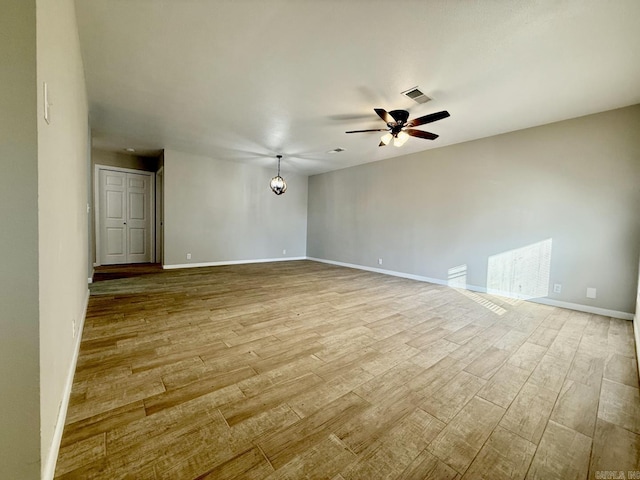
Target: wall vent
[{"x": 416, "y": 95}]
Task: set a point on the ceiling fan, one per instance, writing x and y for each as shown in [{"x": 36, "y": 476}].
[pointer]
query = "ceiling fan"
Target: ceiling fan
[{"x": 399, "y": 129}]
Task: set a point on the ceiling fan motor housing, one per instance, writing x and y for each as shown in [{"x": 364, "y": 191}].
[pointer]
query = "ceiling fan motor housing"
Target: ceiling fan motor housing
[{"x": 400, "y": 116}]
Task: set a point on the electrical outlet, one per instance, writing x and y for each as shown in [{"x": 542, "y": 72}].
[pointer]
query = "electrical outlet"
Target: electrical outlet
[
  {"x": 557, "y": 288},
  {"x": 73, "y": 328},
  {"x": 284, "y": 251},
  {"x": 379, "y": 261},
  {"x": 591, "y": 292},
  {"x": 188, "y": 256}
]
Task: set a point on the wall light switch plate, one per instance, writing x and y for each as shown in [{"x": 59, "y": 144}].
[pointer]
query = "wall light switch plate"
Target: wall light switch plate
[
  {"x": 47, "y": 116},
  {"x": 591, "y": 292}
]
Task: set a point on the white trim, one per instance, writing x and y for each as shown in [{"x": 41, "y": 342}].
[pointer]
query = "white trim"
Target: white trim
[
  {"x": 230, "y": 262},
  {"x": 159, "y": 219},
  {"x": 636, "y": 326},
  {"x": 584, "y": 308},
  {"x": 124, "y": 170},
  {"x": 636, "y": 334},
  {"x": 96, "y": 205},
  {"x": 410, "y": 276},
  {"x": 474, "y": 288},
  {"x": 49, "y": 469}
]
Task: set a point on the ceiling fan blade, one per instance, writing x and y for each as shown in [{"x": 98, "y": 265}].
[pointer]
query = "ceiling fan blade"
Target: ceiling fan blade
[
  {"x": 433, "y": 117},
  {"x": 374, "y": 130},
  {"x": 421, "y": 134},
  {"x": 400, "y": 116},
  {"x": 382, "y": 113}
]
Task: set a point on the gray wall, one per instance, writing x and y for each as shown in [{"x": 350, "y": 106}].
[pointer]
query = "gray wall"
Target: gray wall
[
  {"x": 123, "y": 160},
  {"x": 19, "y": 359},
  {"x": 224, "y": 211},
  {"x": 488, "y": 205}
]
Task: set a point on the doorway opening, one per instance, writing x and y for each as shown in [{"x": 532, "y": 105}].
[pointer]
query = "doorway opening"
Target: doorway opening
[
  {"x": 125, "y": 211},
  {"x": 127, "y": 207}
]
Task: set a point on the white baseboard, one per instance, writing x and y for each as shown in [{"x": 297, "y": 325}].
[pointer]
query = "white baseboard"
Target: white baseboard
[
  {"x": 584, "y": 308},
  {"x": 544, "y": 301},
  {"x": 49, "y": 469},
  {"x": 231, "y": 262},
  {"x": 636, "y": 334},
  {"x": 410, "y": 276}
]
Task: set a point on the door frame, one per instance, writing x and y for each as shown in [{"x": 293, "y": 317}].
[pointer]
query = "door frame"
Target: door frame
[
  {"x": 96, "y": 205},
  {"x": 159, "y": 208}
]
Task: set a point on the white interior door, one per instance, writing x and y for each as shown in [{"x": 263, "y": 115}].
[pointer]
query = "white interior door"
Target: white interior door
[
  {"x": 125, "y": 217},
  {"x": 138, "y": 218}
]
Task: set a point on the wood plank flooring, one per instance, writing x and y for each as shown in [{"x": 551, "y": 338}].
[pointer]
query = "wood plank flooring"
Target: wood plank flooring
[{"x": 303, "y": 370}]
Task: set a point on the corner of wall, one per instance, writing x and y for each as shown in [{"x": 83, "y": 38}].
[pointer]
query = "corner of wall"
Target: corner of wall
[{"x": 20, "y": 423}]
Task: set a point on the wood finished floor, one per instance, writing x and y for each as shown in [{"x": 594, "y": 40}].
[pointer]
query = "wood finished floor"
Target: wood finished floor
[{"x": 303, "y": 370}]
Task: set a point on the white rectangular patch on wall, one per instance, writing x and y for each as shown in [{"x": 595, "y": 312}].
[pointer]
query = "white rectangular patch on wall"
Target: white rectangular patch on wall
[{"x": 522, "y": 272}]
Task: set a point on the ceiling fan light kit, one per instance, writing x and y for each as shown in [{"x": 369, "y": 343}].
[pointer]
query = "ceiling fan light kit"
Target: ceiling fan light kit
[
  {"x": 399, "y": 127},
  {"x": 386, "y": 138},
  {"x": 277, "y": 184},
  {"x": 400, "y": 139}
]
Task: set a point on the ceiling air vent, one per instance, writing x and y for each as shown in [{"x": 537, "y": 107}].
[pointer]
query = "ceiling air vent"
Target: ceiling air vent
[{"x": 416, "y": 95}]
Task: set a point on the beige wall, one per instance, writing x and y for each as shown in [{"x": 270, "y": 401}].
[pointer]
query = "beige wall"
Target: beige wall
[
  {"x": 63, "y": 197},
  {"x": 224, "y": 211},
  {"x": 480, "y": 204},
  {"x": 19, "y": 361}
]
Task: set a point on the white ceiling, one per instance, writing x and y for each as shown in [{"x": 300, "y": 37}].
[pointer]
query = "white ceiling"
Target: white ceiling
[{"x": 244, "y": 80}]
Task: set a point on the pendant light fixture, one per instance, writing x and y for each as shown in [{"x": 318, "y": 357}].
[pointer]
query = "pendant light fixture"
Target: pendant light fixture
[{"x": 277, "y": 184}]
